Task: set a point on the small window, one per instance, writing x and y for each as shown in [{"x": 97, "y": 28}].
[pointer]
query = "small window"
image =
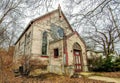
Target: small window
[{"x": 56, "y": 53}]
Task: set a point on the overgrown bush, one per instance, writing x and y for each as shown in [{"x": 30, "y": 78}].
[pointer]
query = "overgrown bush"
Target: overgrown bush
[{"x": 107, "y": 64}]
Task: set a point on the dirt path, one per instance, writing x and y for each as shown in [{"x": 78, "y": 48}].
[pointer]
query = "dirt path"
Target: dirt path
[
  {"x": 106, "y": 79},
  {"x": 91, "y": 75}
]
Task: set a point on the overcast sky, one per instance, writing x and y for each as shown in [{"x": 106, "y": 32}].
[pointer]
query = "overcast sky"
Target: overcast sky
[{"x": 62, "y": 4}]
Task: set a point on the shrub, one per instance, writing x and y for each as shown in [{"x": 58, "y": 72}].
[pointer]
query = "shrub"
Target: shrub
[
  {"x": 117, "y": 64},
  {"x": 106, "y": 64}
]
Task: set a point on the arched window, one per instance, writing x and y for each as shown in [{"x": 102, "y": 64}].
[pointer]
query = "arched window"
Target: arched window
[{"x": 44, "y": 43}]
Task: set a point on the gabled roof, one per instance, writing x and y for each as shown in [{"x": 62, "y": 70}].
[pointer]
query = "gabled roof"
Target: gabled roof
[
  {"x": 75, "y": 32},
  {"x": 31, "y": 22}
]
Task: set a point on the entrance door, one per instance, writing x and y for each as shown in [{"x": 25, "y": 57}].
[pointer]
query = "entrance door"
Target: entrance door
[{"x": 77, "y": 61}]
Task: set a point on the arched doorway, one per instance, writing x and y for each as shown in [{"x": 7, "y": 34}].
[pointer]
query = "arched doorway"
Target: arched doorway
[{"x": 77, "y": 57}]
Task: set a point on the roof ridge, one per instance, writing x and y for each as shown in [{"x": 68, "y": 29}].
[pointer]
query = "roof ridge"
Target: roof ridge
[
  {"x": 33, "y": 20},
  {"x": 40, "y": 17}
]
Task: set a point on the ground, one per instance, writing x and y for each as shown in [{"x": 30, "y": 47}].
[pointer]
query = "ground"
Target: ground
[
  {"x": 106, "y": 79},
  {"x": 54, "y": 78},
  {"x": 110, "y": 77}
]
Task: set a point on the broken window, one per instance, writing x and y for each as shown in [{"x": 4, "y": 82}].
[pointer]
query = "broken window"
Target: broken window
[
  {"x": 44, "y": 43},
  {"x": 56, "y": 53}
]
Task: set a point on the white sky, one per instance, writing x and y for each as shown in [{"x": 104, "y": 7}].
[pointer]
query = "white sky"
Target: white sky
[{"x": 55, "y": 6}]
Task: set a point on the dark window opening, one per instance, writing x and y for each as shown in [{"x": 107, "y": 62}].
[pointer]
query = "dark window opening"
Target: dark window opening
[
  {"x": 56, "y": 53},
  {"x": 44, "y": 43},
  {"x": 21, "y": 70}
]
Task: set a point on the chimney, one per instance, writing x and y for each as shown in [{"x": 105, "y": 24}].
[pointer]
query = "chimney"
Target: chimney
[{"x": 59, "y": 9}]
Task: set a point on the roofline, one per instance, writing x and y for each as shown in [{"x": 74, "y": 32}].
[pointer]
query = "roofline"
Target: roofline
[
  {"x": 81, "y": 39},
  {"x": 31, "y": 22},
  {"x": 67, "y": 21},
  {"x": 24, "y": 32},
  {"x": 75, "y": 32}
]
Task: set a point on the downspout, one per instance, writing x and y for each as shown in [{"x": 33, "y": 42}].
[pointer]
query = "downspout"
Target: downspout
[
  {"x": 65, "y": 49},
  {"x": 31, "y": 41},
  {"x": 25, "y": 45},
  {"x": 65, "y": 53},
  {"x": 48, "y": 51}
]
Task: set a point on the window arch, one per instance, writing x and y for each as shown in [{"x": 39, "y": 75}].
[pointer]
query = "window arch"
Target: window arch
[
  {"x": 44, "y": 43},
  {"x": 76, "y": 46}
]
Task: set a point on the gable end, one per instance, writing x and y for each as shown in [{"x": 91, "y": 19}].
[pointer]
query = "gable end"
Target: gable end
[{"x": 31, "y": 22}]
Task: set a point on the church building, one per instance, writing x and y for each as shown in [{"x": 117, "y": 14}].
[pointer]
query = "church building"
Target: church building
[{"x": 50, "y": 38}]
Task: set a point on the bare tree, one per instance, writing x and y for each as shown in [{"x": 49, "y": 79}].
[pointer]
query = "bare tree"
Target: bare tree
[
  {"x": 12, "y": 13},
  {"x": 97, "y": 17},
  {"x": 80, "y": 11},
  {"x": 105, "y": 39}
]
